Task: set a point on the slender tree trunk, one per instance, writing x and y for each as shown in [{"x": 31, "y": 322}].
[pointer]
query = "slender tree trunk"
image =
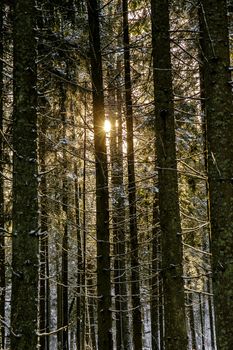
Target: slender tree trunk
[
  {"x": 203, "y": 96},
  {"x": 114, "y": 200},
  {"x": 172, "y": 255},
  {"x": 2, "y": 221},
  {"x": 121, "y": 234},
  {"x": 25, "y": 242},
  {"x": 219, "y": 130},
  {"x": 65, "y": 203},
  {"x": 155, "y": 326},
  {"x": 79, "y": 259},
  {"x": 81, "y": 243},
  {"x": 161, "y": 302},
  {"x": 135, "y": 275},
  {"x": 44, "y": 309},
  {"x": 83, "y": 280},
  {"x": 102, "y": 197},
  {"x": 59, "y": 302},
  {"x": 118, "y": 214}
]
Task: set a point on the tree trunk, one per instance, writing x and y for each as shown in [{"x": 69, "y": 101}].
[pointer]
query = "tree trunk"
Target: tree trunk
[
  {"x": 219, "y": 130},
  {"x": 65, "y": 203},
  {"x": 105, "y": 341},
  {"x": 2, "y": 221},
  {"x": 59, "y": 301},
  {"x": 24, "y": 304},
  {"x": 121, "y": 234},
  {"x": 118, "y": 214},
  {"x": 44, "y": 309},
  {"x": 207, "y": 237},
  {"x": 155, "y": 280},
  {"x": 135, "y": 275},
  {"x": 172, "y": 254},
  {"x": 81, "y": 240},
  {"x": 79, "y": 260},
  {"x": 84, "y": 239}
]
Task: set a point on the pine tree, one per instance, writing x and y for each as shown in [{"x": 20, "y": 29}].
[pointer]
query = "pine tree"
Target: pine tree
[
  {"x": 118, "y": 210},
  {"x": 219, "y": 130},
  {"x": 2, "y": 210},
  {"x": 25, "y": 218},
  {"x": 134, "y": 257},
  {"x": 44, "y": 302},
  {"x": 175, "y": 336},
  {"x": 102, "y": 197}
]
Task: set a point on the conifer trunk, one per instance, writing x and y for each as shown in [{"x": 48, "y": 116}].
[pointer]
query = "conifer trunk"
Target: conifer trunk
[
  {"x": 155, "y": 280},
  {"x": 2, "y": 221},
  {"x": 105, "y": 341},
  {"x": 219, "y": 131},
  {"x": 135, "y": 276},
  {"x": 44, "y": 309},
  {"x": 65, "y": 204},
  {"x": 84, "y": 238},
  {"x": 175, "y": 335},
  {"x": 25, "y": 218},
  {"x": 121, "y": 234},
  {"x": 79, "y": 259},
  {"x": 118, "y": 214},
  {"x": 207, "y": 237}
]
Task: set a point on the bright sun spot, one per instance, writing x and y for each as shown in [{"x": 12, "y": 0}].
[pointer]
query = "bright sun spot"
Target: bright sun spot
[{"x": 107, "y": 126}]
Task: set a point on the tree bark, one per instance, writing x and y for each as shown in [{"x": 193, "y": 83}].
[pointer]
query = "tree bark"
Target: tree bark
[
  {"x": 118, "y": 212},
  {"x": 105, "y": 341},
  {"x": 79, "y": 260},
  {"x": 24, "y": 303},
  {"x": 135, "y": 275},
  {"x": 44, "y": 298},
  {"x": 65, "y": 208},
  {"x": 2, "y": 210},
  {"x": 155, "y": 280},
  {"x": 219, "y": 130},
  {"x": 84, "y": 237},
  {"x": 206, "y": 238},
  {"x": 175, "y": 336}
]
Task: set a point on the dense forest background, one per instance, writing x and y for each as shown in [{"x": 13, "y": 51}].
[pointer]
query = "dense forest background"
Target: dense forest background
[{"x": 116, "y": 176}]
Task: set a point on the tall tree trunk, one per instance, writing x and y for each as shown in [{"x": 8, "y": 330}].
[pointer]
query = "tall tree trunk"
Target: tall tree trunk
[
  {"x": 84, "y": 235},
  {"x": 155, "y": 280},
  {"x": 2, "y": 221},
  {"x": 172, "y": 255},
  {"x": 79, "y": 259},
  {"x": 65, "y": 203},
  {"x": 81, "y": 240},
  {"x": 118, "y": 213},
  {"x": 203, "y": 95},
  {"x": 135, "y": 275},
  {"x": 121, "y": 234},
  {"x": 59, "y": 300},
  {"x": 102, "y": 197},
  {"x": 219, "y": 130},
  {"x": 44, "y": 309},
  {"x": 25, "y": 247},
  {"x": 81, "y": 243}
]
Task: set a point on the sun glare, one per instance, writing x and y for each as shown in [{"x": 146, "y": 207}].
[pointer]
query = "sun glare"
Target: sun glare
[{"x": 107, "y": 126}]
